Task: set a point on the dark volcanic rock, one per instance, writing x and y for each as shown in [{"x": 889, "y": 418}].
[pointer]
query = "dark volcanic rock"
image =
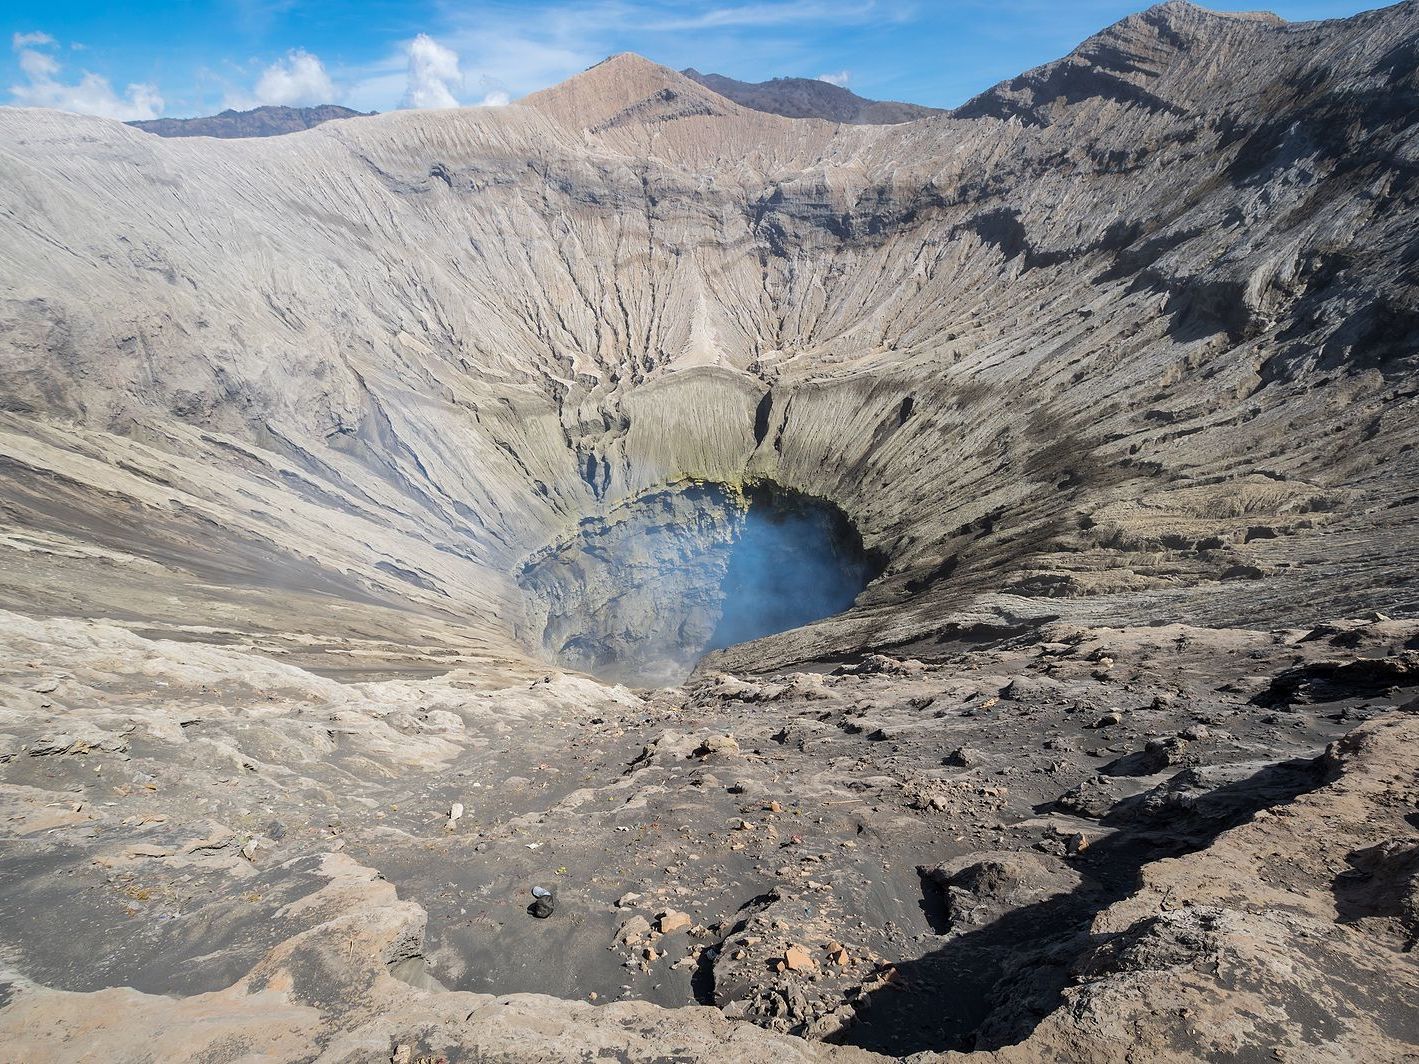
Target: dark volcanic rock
[{"x": 981, "y": 888}]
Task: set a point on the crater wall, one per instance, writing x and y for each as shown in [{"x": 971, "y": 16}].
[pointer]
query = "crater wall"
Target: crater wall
[{"x": 1039, "y": 350}]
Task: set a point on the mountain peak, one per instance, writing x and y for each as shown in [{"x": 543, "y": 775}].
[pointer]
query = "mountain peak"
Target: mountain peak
[
  {"x": 625, "y": 88},
  {"x": 1186, "y": 9},
  {"x": 1149, "y": 59}
]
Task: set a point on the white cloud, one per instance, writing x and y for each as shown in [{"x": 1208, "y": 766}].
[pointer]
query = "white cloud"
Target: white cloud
[
  {"x": 498, "y": 59},
  {"x": 38, "y": 66},
  {"x": 90, "y": 95},
  {"x": 433, "y": 74},
  {"x": 298, "y": 80},
  {"x": 500, "y": 49},
  {"x": 839, "y": 79}
]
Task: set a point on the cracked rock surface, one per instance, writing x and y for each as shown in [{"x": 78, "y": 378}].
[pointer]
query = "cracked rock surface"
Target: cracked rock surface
[{"x": 323, "y": 465}]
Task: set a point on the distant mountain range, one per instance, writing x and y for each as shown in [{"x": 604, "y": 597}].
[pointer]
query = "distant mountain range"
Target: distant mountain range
[
  {"x": 810, "y": 98},
  {"x": 259, "y": 122},
  {"x": 791, "y": 97}
]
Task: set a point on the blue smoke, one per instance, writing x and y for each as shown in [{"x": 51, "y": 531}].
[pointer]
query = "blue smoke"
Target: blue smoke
[
  {"x": 689, "y": 570},
  {"x": 793, "y": 563}
]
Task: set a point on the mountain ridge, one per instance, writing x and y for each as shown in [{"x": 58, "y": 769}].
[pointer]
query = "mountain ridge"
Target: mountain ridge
[
  {"x": 265, "y": 121},
  {"x": 809, "y": 98}
]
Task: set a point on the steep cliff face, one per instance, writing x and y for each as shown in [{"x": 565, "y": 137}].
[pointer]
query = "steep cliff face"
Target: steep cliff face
[{"x": 322, "y": 457}]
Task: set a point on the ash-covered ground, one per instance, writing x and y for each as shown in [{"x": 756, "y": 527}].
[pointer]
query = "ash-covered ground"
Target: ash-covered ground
[{"x": 963, "y": 849}]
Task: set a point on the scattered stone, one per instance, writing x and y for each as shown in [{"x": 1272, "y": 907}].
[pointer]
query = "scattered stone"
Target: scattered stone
[
  {"x": 798, "y": 959},
  {"x": 963, "y": 757},
  {"x": 717, "y": 744},
  {"x": 1156, "y": 755},
  {"x": 637, "y": 927},
  {"x": 672, "y": 920}
]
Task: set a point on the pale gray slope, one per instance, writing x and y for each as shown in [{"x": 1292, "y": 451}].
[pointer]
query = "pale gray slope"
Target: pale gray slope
[{"x": 1126, "y": 337}]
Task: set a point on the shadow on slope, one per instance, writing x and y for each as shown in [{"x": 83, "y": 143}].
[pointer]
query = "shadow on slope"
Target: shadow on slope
[{"x": 990, "y": 987}]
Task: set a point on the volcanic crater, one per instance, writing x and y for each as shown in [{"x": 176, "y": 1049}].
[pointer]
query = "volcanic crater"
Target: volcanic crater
[{"x": 908, "y": 590}]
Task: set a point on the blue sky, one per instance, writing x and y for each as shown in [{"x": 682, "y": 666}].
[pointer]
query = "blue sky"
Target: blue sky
[{"x": 141, "y": 58}]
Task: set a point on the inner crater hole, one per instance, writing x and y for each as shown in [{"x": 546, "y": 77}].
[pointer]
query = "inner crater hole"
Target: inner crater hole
[{"x": 638, "y": 595}]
